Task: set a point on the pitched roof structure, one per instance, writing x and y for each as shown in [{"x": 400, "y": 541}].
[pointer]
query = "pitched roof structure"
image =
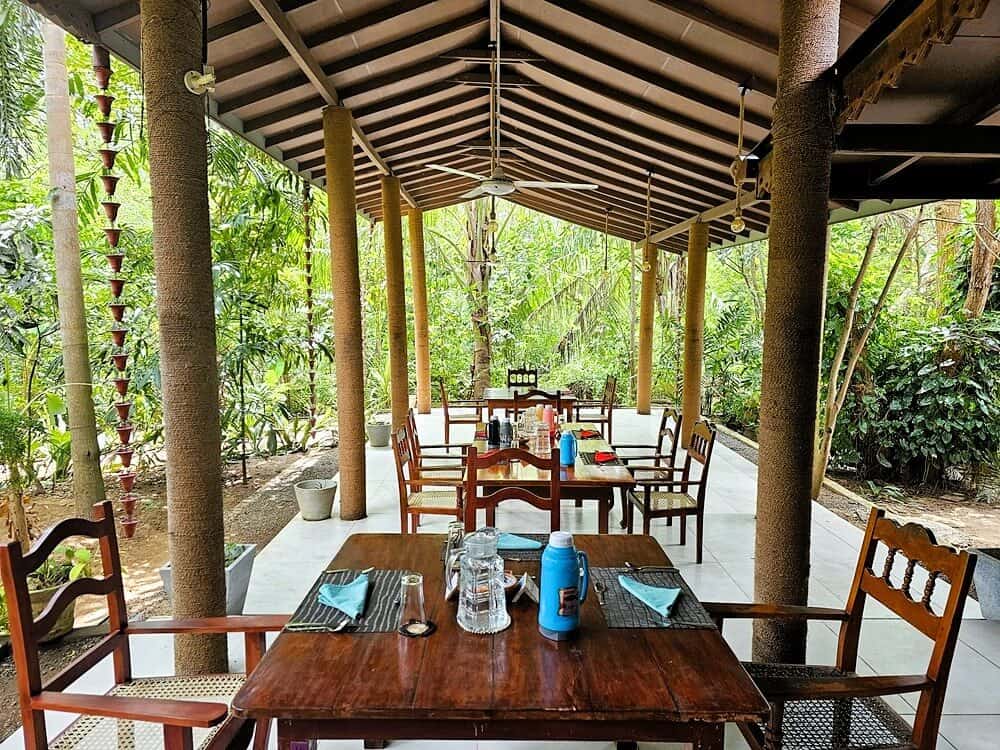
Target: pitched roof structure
[{"x": 605, "y": 91}]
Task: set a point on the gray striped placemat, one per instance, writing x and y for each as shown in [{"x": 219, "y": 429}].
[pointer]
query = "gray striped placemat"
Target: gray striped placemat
[
  {"x": 381, "y": 613},
  {"x": 588, "y": 458},
  {"x": 622, "y": 610},
  {"x": 520, "y": 555}
]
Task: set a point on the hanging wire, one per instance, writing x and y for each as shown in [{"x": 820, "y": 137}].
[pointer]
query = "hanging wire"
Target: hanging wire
[
  {"x": 607, "y": 216},
  {"x": 649, "y": 221},
  {"x": 738, "y": 224}
]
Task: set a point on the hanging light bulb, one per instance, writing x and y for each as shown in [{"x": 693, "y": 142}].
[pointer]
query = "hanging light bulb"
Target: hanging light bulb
[
  {"x": 737, "y": 224},
  {"x": 491, "y": 225}
]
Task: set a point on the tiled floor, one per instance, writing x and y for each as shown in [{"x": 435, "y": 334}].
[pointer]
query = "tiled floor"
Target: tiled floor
[{"x": 285, "y": 569}]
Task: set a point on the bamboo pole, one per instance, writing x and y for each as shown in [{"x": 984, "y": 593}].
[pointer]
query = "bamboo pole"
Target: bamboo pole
[
  {"x": 694, "y": 328},
  {"x": 421, "y": 337},
  {"x": 647, "y": 292},
  {"x": 349, "y": 349},
  {"x": 395, "y": 291}
]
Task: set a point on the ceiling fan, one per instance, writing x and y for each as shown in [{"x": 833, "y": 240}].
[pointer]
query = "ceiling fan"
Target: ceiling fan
[{"x": 498, "y": 183}]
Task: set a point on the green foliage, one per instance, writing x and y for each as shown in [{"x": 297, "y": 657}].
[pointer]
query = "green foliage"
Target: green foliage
[
  {"x": 66, "y": 563},
  {"x": 13, "y": 445}
]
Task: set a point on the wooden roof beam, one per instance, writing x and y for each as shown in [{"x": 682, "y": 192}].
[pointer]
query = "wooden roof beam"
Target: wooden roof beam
[
  {"x": 920, "y": 140},
  {"x": 701, "y": 14}
]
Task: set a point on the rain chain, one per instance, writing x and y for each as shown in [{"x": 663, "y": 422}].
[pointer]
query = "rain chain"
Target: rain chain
[
  {"x": 310, "y": 330},
  {"x": 119, "y": 357}
]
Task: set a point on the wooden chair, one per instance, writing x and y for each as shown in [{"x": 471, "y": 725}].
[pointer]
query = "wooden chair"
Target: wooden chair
[
  {"x": 449, "y": 419},
  {"x": 522, "y": 377},
  {"x": 605, "y": 408},
  {"x": 676, "y": 500},
  {"x": 129, "y": 713},
  {"x": 414, "y": 500},
  {"x": 670, "y": 429},
  {"x": 545, "y": 498},
  {"x": 432, "y": 460},
  {"x": 833, "y": 707},
  {"x": 532, "y": 398}
]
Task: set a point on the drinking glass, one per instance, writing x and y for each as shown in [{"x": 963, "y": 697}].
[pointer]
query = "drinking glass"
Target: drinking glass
[{"x": 412, "y": 620}]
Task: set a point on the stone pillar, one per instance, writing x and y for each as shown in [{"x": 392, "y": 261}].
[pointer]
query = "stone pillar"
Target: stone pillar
[
  {"x": 421, "y": 343},
  {"x": 796, "y": 284},
  {"x": 647, "y": 309},
  {"x": 395, "y": 292},
  {"x": 349, "y": 351},
  {"x": 694, "y": 328},
  {"x": 170, "y": 39}
]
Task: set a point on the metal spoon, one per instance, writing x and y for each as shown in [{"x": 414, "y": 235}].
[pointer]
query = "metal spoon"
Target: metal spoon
[
  {"x": 642, "y": 568},
  {"x": 601, "y": 588}
]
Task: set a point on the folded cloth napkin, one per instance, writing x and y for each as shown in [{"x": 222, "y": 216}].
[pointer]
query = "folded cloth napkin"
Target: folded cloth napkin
[
  {"x": 605, "y": 457},
  {"x": 480, "y": 434},
  {"x": 657, "y": 598},
  {"x": 349, "y": 598},
  {"x": 588, "y": 434},
  {"x": 513, "y": 541}
]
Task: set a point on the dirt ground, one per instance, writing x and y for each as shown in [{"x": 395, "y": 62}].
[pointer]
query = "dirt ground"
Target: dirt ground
[{"x": 254, "y": 513}]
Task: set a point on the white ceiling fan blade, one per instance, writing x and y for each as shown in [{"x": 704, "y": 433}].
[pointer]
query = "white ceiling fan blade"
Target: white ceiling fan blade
[
  {"x": 452, "y": 170},
  {"x": 474, "y": 193},
  {"x": 555, "y": 185}
]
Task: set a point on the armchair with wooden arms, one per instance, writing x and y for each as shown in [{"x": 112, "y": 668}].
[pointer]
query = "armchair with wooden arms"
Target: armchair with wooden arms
[
  {"x": 435, "y": 460},
  {"x": 173, "y": 713},
  {"x": 605, "y": 407},
  {"x": 544, "y": 497},
  {"x": 669, "y": 429},
  {"x": 473, "y": 418},
  {"x": 833, "y": 708},
  {"x": 413, "y": 480}
]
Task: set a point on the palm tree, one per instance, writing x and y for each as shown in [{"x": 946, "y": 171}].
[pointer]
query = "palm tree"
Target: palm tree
[{"x": 20, "y": 86}]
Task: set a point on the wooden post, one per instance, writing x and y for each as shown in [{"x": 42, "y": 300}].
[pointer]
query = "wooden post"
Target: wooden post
[
  {"x": 647, "y": 292},
  {"x": 793, "y": 322},
  {"x": 420, "y": 329},
  {"x": 694, "y": 327},
  {"x": 185, "y": 306},
  {"x": 349, "y": 351},
  {"x": 395, "y": 291}
]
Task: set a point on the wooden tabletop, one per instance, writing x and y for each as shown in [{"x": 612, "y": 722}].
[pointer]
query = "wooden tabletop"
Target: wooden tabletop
[
  {"x": 511, "y": 685},
  {"x": 507, "y": 394}
]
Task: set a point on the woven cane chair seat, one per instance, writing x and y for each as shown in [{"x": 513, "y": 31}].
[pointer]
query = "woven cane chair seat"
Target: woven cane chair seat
[
  {"x": 433, "y": 499},
  {"x": 99, "y": 733},
  {"x": 671, "y": 501},
  {"x": 441, "y": 471},
  {"x": 831, "y": 724}
]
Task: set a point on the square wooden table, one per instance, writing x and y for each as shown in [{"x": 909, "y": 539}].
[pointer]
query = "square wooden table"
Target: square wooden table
[
  {"x": 579, "y": 482},
  {"x": 503, "y": 398},
  {"x": 607, "y": 685}
]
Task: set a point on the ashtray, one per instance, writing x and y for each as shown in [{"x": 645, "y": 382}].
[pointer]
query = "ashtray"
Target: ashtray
[{"x": 417, "y": 629}]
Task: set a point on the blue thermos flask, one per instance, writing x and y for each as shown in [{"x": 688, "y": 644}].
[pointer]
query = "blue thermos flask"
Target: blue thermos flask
[
  {"x": 567, "y": 449},
  {"x": 565, "y": 579}
]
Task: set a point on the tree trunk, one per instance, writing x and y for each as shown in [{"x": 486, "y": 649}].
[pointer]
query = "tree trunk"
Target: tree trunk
[
  {"x": 984, "y": 256},
  {"x": 182, "y": 252},
  {"x": 85, "y": 453},
  {"x": 395, "y": 289},
  {"x": 478, "y": 277},
  {"x": 421, "y": 344},
  {"x": 793, "y": 325},
  {"x": 647, "y": 310},
  {"x": 694, "y": 328},
  {"x": 947, "y": 216}
]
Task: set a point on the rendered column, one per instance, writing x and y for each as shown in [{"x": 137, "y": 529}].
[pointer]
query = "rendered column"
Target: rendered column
[
  {"x": 395, "y": 291},
  {"x": 647, "y": 292},
  {"x": 793, "y": 323},
  {"x": 349, "y": 350},
  {"x": 421, "y": 337},
  {"x": 185, "y": 307},
  {"x": 694, "y": 328}
]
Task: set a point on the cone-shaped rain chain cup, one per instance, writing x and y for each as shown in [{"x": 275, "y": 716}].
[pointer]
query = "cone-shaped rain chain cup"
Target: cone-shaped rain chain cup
[
  {"x": 120, "y": 360},
  {"x": 125, "y": 433},
  {"x": 117, "y": 287},
  {"x": 121, "y": 386},
  {"x": 102, "y": 67},
  {"x": 108, "y": 156},
  {"x": 111, "y": 210},
  {"x": 118, "y": 336},
  {"x": 125, "y": 456},
  {"x": 107, "y": 130},
  {"x": 127, "y": 480},
  {"x": 128, "y": 502},
  {"x": 128, "y": 526},
  {"x": 115, "y": 260},
  {"x": 110, "y": 183},
  {"x": 104, "y": 102},
  {"x": 124, "y": 408},
  {"x": 113, "y": 235},
  {"x": 117, "y": 311}
]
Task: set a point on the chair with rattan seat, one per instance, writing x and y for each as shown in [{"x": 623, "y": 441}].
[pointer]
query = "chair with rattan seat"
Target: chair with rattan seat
[
  {"x": 834, "y": 708},
  {"x": 544, "y": 497},
  {"x": 450, "y": 418},
  {"x": 522, "y": 377},
  {"x": 422, "y": 490},
  {"x": 605, "y": 407},
  {"x": 534, "y": 397},
  {"x": 444, "y": 464},
  {"x": 174, "y": 713},
  {"x": 665, "y": 491},
  {"x": 669, "y": 430}
]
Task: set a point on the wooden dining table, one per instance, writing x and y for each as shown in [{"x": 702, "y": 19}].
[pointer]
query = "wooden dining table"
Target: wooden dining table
[
  {"x": 579, "y": 482},
  {"x": 498, "y": 399},
  {"x": 609, "y": 684}
]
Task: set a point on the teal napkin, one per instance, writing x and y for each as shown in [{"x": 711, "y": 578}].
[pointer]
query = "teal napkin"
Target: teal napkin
[
  {"x": 513, "y": 541},
  {"x": 657, "y": 598},
  {"x": 349, "y": 598}
]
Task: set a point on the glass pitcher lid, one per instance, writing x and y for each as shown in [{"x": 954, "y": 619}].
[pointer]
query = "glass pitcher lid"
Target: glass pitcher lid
[{"x": 482, "y": 543}]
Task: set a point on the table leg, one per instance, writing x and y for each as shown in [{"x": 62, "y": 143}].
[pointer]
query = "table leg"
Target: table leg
[
  {"x": 376, "y": 744},
  {"x": 604, "y": 511},
  {"x": 712, "y": 737},
  {"x": 627, "y": 745},
  {"x": 285, "y": 741}
]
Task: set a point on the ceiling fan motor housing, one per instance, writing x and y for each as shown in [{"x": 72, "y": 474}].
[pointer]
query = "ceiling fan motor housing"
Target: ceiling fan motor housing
[{"x": 494, "y": 186}]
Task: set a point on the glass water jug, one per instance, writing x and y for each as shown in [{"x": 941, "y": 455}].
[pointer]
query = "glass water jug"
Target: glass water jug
[{"x": 482, "y": 602}]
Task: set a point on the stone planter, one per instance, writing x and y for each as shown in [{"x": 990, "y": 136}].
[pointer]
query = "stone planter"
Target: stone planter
[
  {"x": 237, "y": 579},
  {"x": 378, "y": 434},
  {"x": 987, "y": 578},
  {"x": 315, "y": 498},
  {"x": 40, "y": 598}
]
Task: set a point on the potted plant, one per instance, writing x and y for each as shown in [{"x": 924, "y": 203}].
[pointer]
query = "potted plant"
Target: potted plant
[
  {"x": 65, "y": 564},
  {"x": 315, "y": 498},
  {"x": 378, "y": 427},
  {"x": 987, "y": 579},
  {"x": 239, "y": 564}
]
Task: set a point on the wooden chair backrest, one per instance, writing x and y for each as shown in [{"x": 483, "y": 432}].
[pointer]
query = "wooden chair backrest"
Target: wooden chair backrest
[
  {"x": 547, "y": 498},
  {"x": 533, "y": 397},
  {"x": 411, "y": 427},
  {"x": 670, "y": 429},
  {"x": 406, "y": 467},
  {"x": 884, "y": 583},
  {"x": 26, "y": 630},
  {"x": 699, "y": 451},
  {"x": 525, "y": 377},
  {"x": 444, "y": 396},
  {"x": 610, "y": 393}
]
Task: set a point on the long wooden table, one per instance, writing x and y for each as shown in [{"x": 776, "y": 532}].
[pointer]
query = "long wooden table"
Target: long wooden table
[
  {"x": 607, "y": 685},
  {"x": 498, "y": 399},
  {"x": 580, "y": 482}
]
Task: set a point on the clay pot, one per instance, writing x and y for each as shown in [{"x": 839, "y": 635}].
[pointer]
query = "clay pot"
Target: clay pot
[
  {"x": 104, "y": 104},
  {"x": 117, "y": 287},
  {"x": 113, "y": 234},
  {"x": 128, "y": 504},
  {"x": 120, "y": 360},
  {"x": 127, "y": 480},
  {"x": 107, "y": 130},
  {"x": 125, "y": 456},
  {"x": 108, "y": 157},
  {"x": 103, "y": 75},
  {"x": 118, "y": 336},
  {"x": 128, "y": 527},
  {"x": 123, "y": 408},
  {"x": 124, "y": 433},
  {"x": 111, "y": 210},
  {"x": 121, "y": 385},
  {"x": 110, "y": 183},
  {"x": 115, "y": 261},
  {"x": 117, "y": 311}
]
